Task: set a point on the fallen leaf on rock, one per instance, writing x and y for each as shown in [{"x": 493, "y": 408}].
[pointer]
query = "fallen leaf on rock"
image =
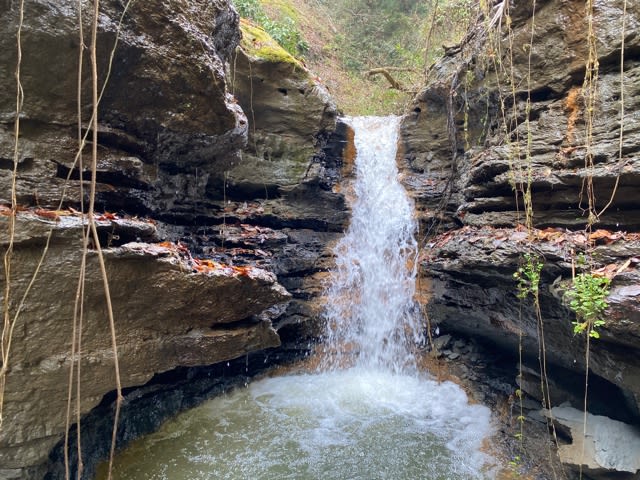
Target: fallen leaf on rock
[
  {"x": 241, "y": 270},
  {"x": 579, "y": 238},
  {"x": 177, "y": 248},
  {"x": 202, "y": 265},
  {"x": 608, "y": 271},
  {"x": 611, "y": 270},
  {"x": 606, "y": 236},
  {"x": 106, "y": 216},
  {"x": 5, "y": 210},
  {"x": 206, "y": 266},
  {"x": 50, "y": 214},
  {"x": 554, "y": 235}
]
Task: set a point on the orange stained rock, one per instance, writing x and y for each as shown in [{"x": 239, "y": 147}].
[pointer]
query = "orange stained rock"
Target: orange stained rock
[{"x": 572, "y": 109}]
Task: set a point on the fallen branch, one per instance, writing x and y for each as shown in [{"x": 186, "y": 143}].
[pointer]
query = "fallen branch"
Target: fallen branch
[{"x": 396, "y": 85}]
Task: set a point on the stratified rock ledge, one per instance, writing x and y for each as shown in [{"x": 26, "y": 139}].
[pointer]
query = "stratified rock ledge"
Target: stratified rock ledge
[{"x": 170, "y": 310}]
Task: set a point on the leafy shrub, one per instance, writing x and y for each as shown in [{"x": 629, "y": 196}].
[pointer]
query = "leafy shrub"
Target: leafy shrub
[{"x": 588, "y": 300}]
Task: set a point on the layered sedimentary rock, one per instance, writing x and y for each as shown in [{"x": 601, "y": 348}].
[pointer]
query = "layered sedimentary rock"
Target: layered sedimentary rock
[
  {"x": 507, "y": 109},
  {"x": 204, "y": 203},
  {"x": 287, "y": 179},
  {"x": 167, "y": 313},
  {"x": 454, "y": 135}
]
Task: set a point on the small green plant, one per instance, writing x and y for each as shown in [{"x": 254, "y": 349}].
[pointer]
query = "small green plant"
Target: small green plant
[
  {"x": 528, "y": 276},
  {"x": 516, "y": 462},
  {"x": 587, "y": 298}
]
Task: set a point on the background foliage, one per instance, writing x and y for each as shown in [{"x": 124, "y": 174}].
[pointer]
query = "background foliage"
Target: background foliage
[{"x": 341, "y": 40}]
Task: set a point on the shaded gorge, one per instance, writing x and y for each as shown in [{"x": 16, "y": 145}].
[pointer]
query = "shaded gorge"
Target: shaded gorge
[{"x": 367, "y": 412}]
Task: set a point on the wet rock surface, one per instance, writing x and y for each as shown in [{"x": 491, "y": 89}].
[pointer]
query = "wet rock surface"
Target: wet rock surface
[
  {"x": 144, "y": 409},
  {"x": 169, "y": 312},
  {"x": 215, "y": 202},
  {"x": 606, "y": 446}
]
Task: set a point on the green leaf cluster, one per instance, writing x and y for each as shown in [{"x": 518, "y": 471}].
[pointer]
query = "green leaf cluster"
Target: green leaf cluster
[
  {"x": 528, "y": 276},
  {"x": 587, "y": 298}
]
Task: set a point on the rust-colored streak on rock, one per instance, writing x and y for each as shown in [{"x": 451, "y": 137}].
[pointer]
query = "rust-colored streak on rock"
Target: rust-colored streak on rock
[
  {"x": 349, "y": 154},
  {"x": 572, "y": 109}
]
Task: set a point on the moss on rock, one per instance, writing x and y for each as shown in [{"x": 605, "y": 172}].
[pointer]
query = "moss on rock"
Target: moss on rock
[{"x": 257, "y": 43}]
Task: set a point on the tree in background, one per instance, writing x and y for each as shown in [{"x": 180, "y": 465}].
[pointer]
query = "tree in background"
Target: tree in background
[{"x": 349, "y": 42}]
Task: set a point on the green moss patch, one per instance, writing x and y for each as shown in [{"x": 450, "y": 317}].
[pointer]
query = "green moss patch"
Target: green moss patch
[{"x": 257, "y": 43}]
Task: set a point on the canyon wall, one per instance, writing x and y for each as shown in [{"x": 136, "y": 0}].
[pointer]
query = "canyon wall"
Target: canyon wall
[
  {"x": 509, "y": 108},
  {"x": 215, "y": 177}
]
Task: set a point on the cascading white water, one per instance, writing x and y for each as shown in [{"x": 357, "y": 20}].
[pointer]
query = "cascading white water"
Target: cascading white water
[
  {"x": 370, "y": 305},
  {"x": 379, "y": 419}
]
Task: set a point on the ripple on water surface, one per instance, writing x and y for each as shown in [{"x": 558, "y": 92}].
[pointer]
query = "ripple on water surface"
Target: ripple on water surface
[{"x": 350, "y": 424}]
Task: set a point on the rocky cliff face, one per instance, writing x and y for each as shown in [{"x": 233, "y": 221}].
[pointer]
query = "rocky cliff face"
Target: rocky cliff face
[
  {"x": 209, "y": 212},
  {"x": 504, "y": 109}
]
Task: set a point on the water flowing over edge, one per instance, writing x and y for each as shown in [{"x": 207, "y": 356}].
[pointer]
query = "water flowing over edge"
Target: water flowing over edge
[
  {"x": 371, "y": 316},
  {"x": 379, "y": 419}
]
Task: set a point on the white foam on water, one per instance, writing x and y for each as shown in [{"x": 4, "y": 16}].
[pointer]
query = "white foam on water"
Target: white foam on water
[{"x": 350, "y": 424}]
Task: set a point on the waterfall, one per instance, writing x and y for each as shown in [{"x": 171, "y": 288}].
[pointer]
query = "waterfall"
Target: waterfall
[
  {"x": 381, "y": 419},
  {"x": 371, "y": 312}
]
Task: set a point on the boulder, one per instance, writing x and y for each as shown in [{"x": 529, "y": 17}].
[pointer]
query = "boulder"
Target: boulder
[{"x": 605, "y": 449}]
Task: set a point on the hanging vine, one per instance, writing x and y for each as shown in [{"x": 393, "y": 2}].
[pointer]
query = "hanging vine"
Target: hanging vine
[{"x": 8, "y": 323}]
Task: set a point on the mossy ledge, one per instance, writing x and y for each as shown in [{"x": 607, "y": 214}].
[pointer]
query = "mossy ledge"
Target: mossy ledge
[{"x": 257, "y": 43}]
